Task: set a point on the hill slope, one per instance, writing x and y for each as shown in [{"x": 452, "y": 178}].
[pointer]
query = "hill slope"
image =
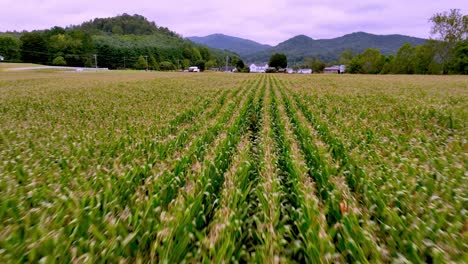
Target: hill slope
[
  {"x": 240, "y": 46},
  {"x": 302, "y": 46},
  {"x": 124, "y": 24},
  {"x": 118, "y": 42}
]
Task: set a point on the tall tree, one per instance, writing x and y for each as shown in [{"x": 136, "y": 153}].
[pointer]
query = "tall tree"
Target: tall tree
[
  {"x": 240, "y": 65},
  {"x": 141, "y": 63},
  {"x": 448, "y": 28},
  {"x": 153, "y": 63},
  {"x": 34, "y": 47},
  {"x": 201, "y": 65},
  {"x": 278, "y": 60},
  {"x": 10, "y": 48},
  {"x": 423, "y": 58},
  {"x": 315, "y": 64},
  {"x": 372, "y": 61},
  {"x": 403, "y": 63},
  {"x": 459, "y": 62}
]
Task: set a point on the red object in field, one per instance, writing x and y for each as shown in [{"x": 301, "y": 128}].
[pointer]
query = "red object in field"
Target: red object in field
[{"x": 343, "y": 207}]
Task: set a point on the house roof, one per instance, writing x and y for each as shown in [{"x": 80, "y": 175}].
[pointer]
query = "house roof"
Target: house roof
[{"x": 332, "y": 68}]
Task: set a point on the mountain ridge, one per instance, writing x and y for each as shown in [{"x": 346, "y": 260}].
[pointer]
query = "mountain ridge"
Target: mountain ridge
[
  {"x": 301, "y": 46},
  {"x": 238, "y": 45}
]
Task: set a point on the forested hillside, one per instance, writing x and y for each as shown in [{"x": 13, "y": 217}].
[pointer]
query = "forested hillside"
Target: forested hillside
[{"x": 125, "y": 41}]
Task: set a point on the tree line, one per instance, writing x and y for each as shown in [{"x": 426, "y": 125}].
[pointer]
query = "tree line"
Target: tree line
[
  {"x": 120, "y": 42},
  {"x": 445, "y": 53}
]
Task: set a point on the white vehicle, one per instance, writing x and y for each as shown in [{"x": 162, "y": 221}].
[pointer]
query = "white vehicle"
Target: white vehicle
[{"x": 193, "y": 69}]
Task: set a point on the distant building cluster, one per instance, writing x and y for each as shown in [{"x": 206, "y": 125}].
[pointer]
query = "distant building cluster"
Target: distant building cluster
[{"x": 339, "y": 69}]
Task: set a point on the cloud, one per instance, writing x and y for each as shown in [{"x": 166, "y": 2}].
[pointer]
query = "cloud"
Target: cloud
[{"x": 266, "y": 21}]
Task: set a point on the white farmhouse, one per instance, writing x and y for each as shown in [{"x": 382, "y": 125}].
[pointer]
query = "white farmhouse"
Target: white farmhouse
[
  {"x": 304, "y": 71},
  {"x": 255, "y": 68}
]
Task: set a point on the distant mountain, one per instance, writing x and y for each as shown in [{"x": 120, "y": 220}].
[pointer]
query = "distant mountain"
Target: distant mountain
[
  {"x": 240, "y": 46},
  {"x": 299, "y": 47}
]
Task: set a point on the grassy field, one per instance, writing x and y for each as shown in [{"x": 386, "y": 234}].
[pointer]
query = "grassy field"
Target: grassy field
[{"x": 173, "y": 167}]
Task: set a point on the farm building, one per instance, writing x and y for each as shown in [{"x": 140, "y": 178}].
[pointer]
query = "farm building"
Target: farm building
[
  {"x": 1, "y": 58},
  {"x": 255, "y": 68},
  {"x": 304, "y": 71},
  {"x": 335, "y": 69}
]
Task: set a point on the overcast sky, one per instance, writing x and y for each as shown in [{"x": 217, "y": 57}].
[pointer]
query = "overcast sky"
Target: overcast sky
[{"x": 265, "y": 21}]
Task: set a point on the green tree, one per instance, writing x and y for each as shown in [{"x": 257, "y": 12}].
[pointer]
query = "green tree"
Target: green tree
[
  {"x": 278, "y": 60},
  {"x": 153, "y": 63},
  {"x": 205, "y": 53},
  {"x": 34, "y": 48},
  {"x": 59, "y": 61},
  {"x": 371, "y": 61},
  {"x": 10, "y": 48},
  {"x": 141, "y": 63},
  {"x": 346, "y": 57},
  {"x": 187, "y": 53},
  {"x": 315, "y": 64},
  {"x": 167, "y": 66},
  {"x": 355, "y": 66},
  {"x": 459, "y": 62},
  {"x": 201, "y": 65},
  {"x": 404, "y": 63},
  {"x": 448, "y": 28},
  {"x": 388, "y": 65},
  {"x": 196, "y": 56},
  {"x": 211, "y": 64},
  {"x": 186, "y": 63},
  {"x": 117, "y": 30},
  {"x": 240, "y": 65},
  {"x": 423, "y": 58}
]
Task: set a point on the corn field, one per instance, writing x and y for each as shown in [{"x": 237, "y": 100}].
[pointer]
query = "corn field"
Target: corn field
[{"x": 218, "y": 168}]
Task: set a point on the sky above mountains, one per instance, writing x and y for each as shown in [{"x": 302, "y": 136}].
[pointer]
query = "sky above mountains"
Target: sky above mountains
[{"x": 264, "y": 21}]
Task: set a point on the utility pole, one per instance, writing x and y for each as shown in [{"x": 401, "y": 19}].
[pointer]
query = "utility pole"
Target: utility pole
[
  {"x": 95, "y": 60},
  {"x": 227, "y": 59},
  {"x": 146, "y": 58}
]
